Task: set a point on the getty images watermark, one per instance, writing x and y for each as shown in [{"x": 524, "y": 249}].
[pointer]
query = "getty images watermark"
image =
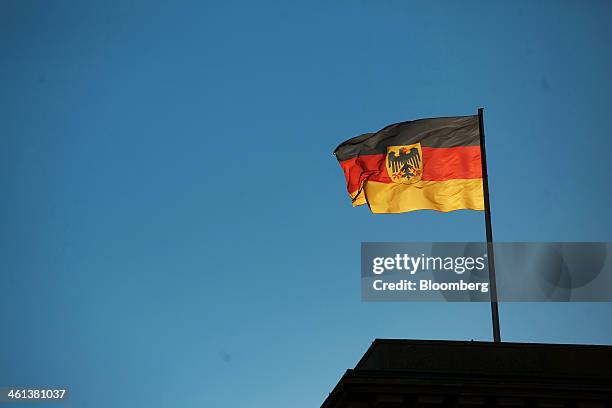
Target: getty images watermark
[
  {"x": 413, "y": 264},
  {"x": 459, "y": 271}
]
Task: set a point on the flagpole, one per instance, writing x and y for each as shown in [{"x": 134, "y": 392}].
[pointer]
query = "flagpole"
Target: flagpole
[{"x": 490, "y": 255}]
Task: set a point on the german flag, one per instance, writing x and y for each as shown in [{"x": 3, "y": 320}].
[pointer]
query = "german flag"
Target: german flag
[{"x": 423, "y": 164}]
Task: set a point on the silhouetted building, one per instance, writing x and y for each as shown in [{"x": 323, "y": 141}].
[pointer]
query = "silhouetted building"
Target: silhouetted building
[{"x": 420, "y": 373}]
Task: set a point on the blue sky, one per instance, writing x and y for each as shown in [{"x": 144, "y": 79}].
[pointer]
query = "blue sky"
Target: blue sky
[{"x": 175, "y": 230}]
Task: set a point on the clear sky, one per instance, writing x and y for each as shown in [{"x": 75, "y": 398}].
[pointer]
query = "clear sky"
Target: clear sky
[{"x": 175, "y": 231}]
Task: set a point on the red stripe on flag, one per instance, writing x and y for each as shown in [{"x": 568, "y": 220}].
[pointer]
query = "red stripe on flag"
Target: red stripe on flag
[
  {"x": 360, "y": 168},
  {"x": 439, "y": 164},
  {"x": 448, "y": 163}
]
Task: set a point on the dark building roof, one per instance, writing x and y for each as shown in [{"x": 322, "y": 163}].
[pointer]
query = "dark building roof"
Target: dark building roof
[{"x": 429, "y": 373}]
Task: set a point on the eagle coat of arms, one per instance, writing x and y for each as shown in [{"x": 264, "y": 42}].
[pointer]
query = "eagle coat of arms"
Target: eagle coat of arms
[{"x": 404, "y": 163}]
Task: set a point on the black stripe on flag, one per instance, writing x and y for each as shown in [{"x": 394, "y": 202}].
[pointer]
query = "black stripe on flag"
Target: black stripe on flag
[{"x": 435, "y": 132}]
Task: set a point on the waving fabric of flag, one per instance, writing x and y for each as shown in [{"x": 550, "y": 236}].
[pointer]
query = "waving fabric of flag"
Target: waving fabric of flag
[{"x": 422, "y": 164}]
